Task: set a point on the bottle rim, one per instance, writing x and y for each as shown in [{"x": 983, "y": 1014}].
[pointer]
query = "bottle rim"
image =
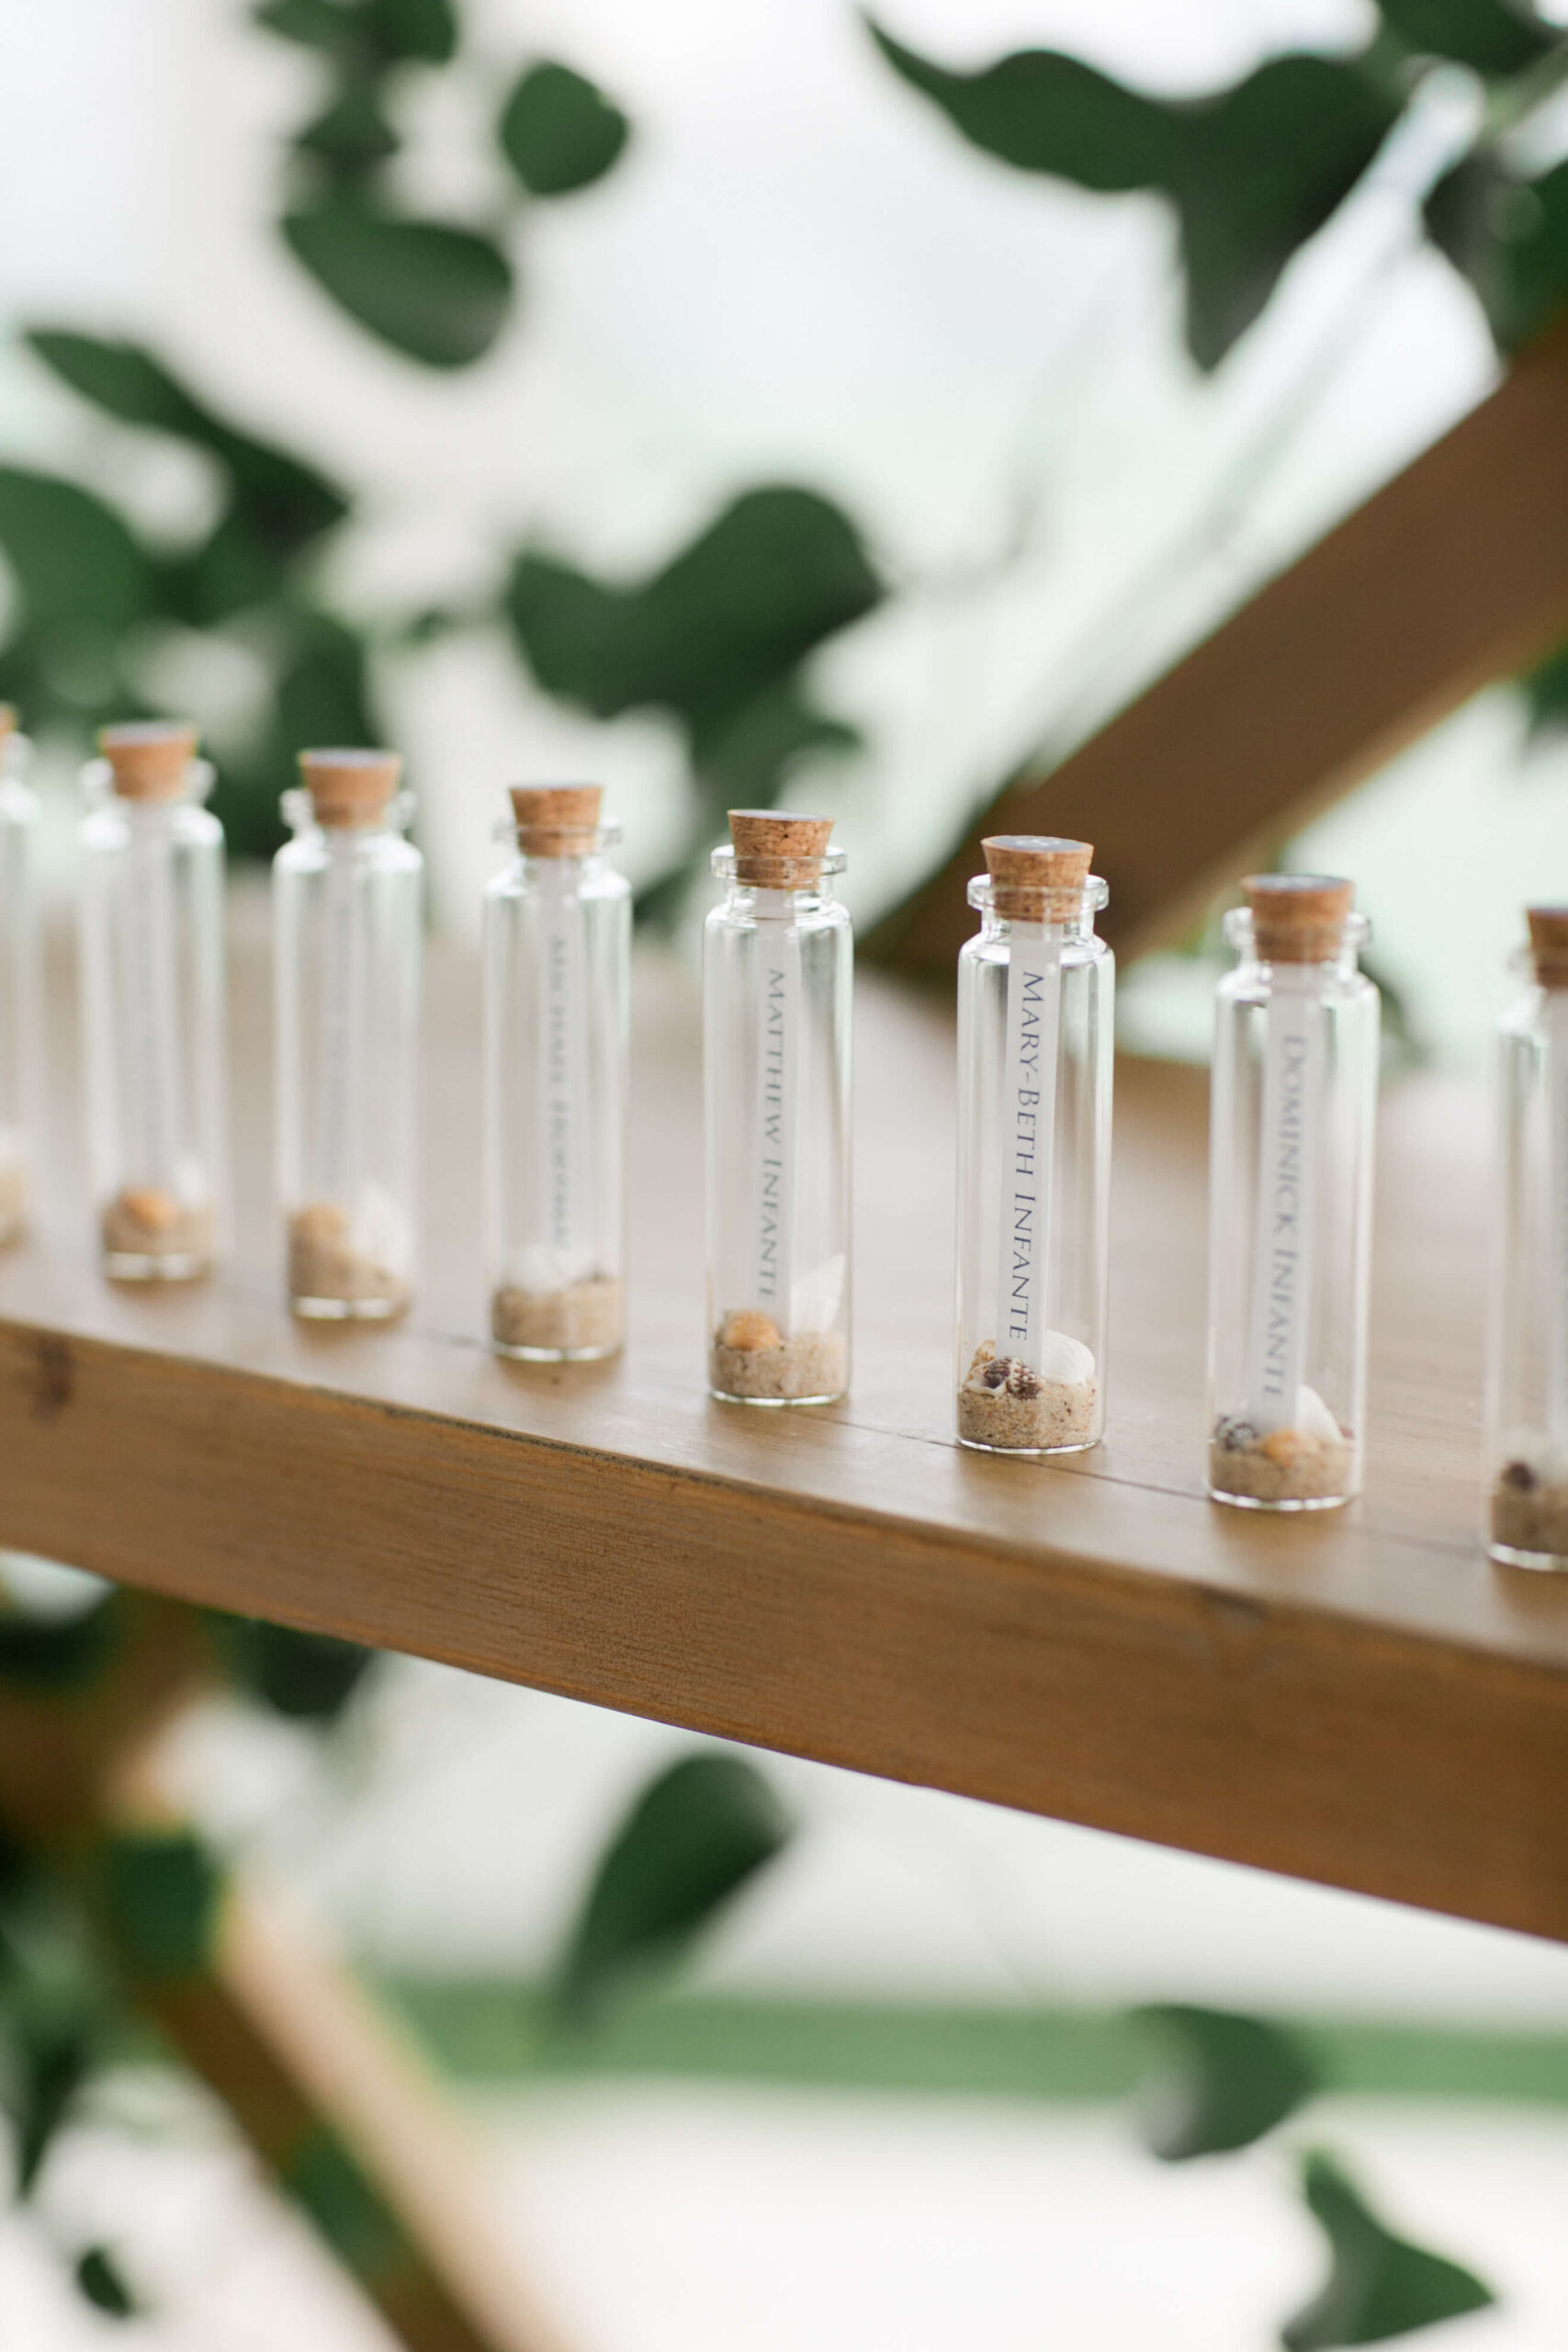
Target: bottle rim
[
  {"x": 829, "y": 863},
  {"x": 1094, "y": 894}
]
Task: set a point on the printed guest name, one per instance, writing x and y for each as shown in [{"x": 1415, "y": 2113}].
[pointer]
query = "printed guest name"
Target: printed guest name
[
  {"x": 1283, "y": 1178},
  {"x": 775, "y": 1137},
  {"x": 1024, "y": 1121}
]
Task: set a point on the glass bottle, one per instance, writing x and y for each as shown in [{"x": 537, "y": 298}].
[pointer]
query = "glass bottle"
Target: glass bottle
[
  {"x": 347, "y": 915},
  {"x": 1292, "y": 1108},
  {"x": 1527, "y": 1388},
  {"x": 558, "y": 952},
  {"x": 153, "y": 1002},
  {"x": 778, "y": 958},
  {"x": 19, "y": 1000},
  {"x": 1035, "y": 1007}
]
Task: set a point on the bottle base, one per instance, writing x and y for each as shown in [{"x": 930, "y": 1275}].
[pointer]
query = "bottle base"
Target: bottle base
[
  {"x": 1510, "y": 1555},
  {"x": 515, "y": 1354},
  {"x": 1278, "y": 1502},
  {"x": 143, "y": 1266},
  {"x": 348, "y": 1310},
  {"x": 1029, "y": 1452},
  {"x": 771, "y": 1403}
]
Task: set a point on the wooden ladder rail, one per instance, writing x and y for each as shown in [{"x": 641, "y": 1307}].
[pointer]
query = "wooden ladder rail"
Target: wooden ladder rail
[{"x": 1452, "y": 575}]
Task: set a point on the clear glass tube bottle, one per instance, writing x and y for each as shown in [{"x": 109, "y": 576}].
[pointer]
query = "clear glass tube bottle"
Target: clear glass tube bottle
[
  {"x": 778, "y": 959},
  {"x": 1035, "y": 1008},
  {"x": 21, "y": 1003},
  {"x": 1526, "y": 1388},
  {"x": 1293, "y": 1111},
  {"x": 557, "y": 953},
  {"x": 153, "y": 1002},
  {"x": 347, "y": 916}
]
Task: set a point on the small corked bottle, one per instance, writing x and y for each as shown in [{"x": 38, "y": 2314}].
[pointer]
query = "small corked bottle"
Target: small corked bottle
[
  {"x": 152, "y": 1002},
  {"x": 347, "y": 916},
  {"x": 1036, "y": 1011},
  {"x": 1292, "y": 1108},
  {"x": 557, "y": 953},
  {"x": 19, "y": 995},
  {"x": 1527, "y": 1388},
  {"x": 777, "y": 973}
]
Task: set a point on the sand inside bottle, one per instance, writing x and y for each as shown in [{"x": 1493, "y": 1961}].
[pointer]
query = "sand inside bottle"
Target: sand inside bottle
[
  {"x": 13, "y": 1193},
  {"x": 331, "y": 1275},
  {"x": 1007, "y": 1407},
  {"x": 149, "y": 1233},
  {"x": 585, "y": 1318},
  {"x": 1309, "y": 1463},
  {"x": 751, "y": 1361},
  {"x": 1529, "y": 1507}
]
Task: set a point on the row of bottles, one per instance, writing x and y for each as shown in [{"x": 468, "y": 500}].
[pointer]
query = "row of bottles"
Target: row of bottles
[{"x": 1294, "y": 1098}]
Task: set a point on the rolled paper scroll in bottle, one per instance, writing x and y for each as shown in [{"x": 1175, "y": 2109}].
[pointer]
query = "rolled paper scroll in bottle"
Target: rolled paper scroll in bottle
[
  {"x": 149, "y": 763},
  {"x": 557, "y": 824},
  {"x": 1298, "y": 927},
  {"x": 1037, "y": 885},
  {"x": 348, "y": 790},
  {"x": 1549, "y": 953},
  {"x": 777, "y": 853}
]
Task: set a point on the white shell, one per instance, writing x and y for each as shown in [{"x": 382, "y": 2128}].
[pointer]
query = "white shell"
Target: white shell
[{"x": 1065, "y": 1361}]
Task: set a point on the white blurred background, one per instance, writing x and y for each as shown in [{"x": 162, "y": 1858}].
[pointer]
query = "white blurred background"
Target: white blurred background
[{"x": 798, "y": 273}]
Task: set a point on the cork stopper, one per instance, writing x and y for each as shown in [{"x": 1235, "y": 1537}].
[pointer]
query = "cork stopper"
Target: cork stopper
[
  {"x": 1549, "y": 945},
  {"x": 1035, "y": 877},
  {"x": 150, "y": 759},
  {"x": 777, "y": 851},
  {"x": 349, "y": 788},
  {"x": 556, "y": 820},
  {"x": 1298, "y": 918}
]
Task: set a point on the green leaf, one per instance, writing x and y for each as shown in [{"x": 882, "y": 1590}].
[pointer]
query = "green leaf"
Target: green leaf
[
  {"x": 1546, "y": 696},
  {"x": 282, "y": 503},
  {"x": 352, "y": 136},
  {"x": 1531, "y": 283},
  {"x": 559, "y": 132},
  {"x": 1378, "y": 2285},
  {"x": 1234, "y": 2078},
  {"x": 1490, "y": 35},
  {"x": 438, "y": 294},
  {"x": 321, "y": 695},
  {"x": 308, "y": 1676},
  {"x": 100, "y": 2279},
  {"x": 737, "y": 611},
  {"x": 694, "y": 1836},
  {"x": 51, "y": 2058},
  {"x": 1254, "y": 172},
  {"x": 1257, "y": 172},
  {"x": 1043, "y": 111},
  {"x": 74, "y": 561},
  {"x": 315, "y": 24},
  {"x": 745, "y": 761},
  {"x": 354, "y": 2218},
  {"x": 161, "y": 1895},
  {"x": 414, "y": 31},
  {"x": 59, "y": 1655}
]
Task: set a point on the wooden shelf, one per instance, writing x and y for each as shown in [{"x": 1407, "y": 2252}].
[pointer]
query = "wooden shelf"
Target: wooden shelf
[{"x": 1354, "y": 1697}]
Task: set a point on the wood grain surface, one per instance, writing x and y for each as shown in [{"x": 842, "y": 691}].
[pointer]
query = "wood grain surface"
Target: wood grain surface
[
  {"x": 1453, "y": 574},
  {"x": 1356, "y": 1697}
]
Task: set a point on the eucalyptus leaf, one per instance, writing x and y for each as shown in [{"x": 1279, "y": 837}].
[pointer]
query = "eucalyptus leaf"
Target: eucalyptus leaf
[
  {"x": 1546, "y": 696},
  {"x": 437, "y": 293},
  {"x": 694, "y": 1838},
  {"x": 160, "y": 1895},
  {"x": 314, "y": 24},
  {"x": 1493, "y": 36},
  {"x": 352, "y": 136},
  {"x": 50, "y": 2059},
  {"x": 780, "y": 570},
  {"x": 1253, "y": 172},
  {"x": 284, "y": 503},
  {"x": 308, "y": 1676},
  {"x": 59, "y": 1655},
  {"x": 321, "y": 695},
  {"x": 1531, "y": 267},
  {"x": 1378, "y": 2285},
  {"x": 414, "y": 31},
  {"x": 75, "y": 563},
  {"x": 102, "y": 2283},
  {"x": 1233, "y": 2080},
  {"x": 559, "y": 132}
]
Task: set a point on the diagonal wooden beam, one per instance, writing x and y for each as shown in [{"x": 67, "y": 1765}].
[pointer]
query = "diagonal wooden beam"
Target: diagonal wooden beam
[{"x": 1454, "y": 574}]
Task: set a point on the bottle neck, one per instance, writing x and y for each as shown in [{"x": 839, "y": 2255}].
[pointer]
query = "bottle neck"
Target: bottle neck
[
  {"x": 758, "y": 903},
  {"x": 998, "y": 929}
]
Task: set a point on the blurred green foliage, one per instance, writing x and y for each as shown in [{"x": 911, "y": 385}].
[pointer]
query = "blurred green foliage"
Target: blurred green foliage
[
  {"x": 1233, "y": 2078},
  {"x": 694, "y": 1836},
  {"x": 1378, "y": 2285}
]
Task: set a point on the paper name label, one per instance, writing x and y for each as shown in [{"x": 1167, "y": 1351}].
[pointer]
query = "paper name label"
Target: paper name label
[
  {"x": 1027, "y": 1138},
  {"x": 564, "y": 1083},
  {"x": 774, "y": 1159},
  {"x": 154, "y": 1116},
  {"x": 1289, "y": 1141}
]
